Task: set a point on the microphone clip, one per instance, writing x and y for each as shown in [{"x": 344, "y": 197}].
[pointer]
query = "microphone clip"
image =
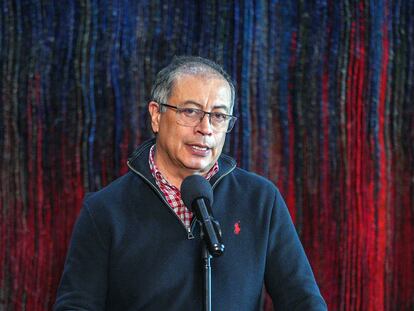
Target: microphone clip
[{"x": 215, "y": 247}]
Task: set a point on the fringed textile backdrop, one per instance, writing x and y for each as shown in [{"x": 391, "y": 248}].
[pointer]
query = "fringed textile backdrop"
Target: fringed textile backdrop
[{"x": 325, "y": 107}]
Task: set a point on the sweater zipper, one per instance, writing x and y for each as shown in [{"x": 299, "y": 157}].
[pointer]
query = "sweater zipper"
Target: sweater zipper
[
  {"x": 189, "y": 230},
  {"x": 190, "y": 234}
]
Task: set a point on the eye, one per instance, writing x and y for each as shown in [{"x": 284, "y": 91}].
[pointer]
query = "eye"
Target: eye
[
  {"x": 190, "y": 112},
  {"x": 219, "y": 117}
]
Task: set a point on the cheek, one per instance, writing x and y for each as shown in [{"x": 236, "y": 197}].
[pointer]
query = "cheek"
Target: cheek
[
  {"x": 169, "y": 129},
  {"x": 177, "y": 136},
  {"x": 220, "y": 142}
]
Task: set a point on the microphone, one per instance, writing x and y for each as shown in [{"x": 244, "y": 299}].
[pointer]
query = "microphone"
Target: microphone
[{"x": 197, "y": 195}]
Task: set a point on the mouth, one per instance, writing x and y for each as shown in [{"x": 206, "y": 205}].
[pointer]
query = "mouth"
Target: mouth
[{"x": 199, "y": 149}]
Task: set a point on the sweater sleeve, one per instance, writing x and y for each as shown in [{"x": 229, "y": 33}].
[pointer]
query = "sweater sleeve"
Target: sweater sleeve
[
  {"x": 83, "y": 284},
  {"x": 288, "y": 277}
]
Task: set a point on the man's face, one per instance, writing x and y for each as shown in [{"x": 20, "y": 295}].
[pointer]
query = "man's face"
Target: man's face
[{"x": 186, "y": 150}]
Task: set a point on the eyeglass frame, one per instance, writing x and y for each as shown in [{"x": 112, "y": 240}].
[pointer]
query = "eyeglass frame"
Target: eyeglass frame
[{"x": 232, "y": 119}]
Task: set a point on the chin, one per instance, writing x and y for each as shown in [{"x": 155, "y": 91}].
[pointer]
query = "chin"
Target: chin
[{"x": 199, "y": 167}]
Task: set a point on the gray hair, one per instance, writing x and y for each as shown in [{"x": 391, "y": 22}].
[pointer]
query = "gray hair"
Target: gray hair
[{"x": 192, "y": 65}]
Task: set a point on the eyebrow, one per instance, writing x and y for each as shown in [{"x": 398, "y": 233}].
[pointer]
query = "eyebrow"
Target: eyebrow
[{"x": 189, "y": 102}]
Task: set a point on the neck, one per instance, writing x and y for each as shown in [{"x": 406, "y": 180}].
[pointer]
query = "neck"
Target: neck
[{"x": 176, "y": 175}]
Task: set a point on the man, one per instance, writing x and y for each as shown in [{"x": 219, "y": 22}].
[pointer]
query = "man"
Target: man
[{"x": 135, "y": 245}]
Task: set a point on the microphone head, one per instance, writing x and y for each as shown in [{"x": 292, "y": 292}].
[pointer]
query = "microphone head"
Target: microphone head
[{"x": 196, "y": 187}]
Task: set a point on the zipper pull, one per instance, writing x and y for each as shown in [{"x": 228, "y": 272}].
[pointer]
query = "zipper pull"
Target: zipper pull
[{"x": 190, "y": 234}]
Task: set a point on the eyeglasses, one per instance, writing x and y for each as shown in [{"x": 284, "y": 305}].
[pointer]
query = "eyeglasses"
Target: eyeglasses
[{"x": 220, "y": 122}]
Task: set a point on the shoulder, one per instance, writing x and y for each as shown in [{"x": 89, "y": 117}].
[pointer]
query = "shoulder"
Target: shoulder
[
  {"x": 248, "y": 188},
  {"x": 115, "y": 204},
  {"x": 236, "y": 178},
  {"x": 114, "y": 192},
  {"x": 250, "y": 180}
]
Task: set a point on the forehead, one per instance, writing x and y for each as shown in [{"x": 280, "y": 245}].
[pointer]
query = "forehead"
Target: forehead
[{"x": 205, "y": 90}]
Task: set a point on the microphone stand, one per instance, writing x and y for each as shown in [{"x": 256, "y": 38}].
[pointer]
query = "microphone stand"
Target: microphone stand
[
  {"x": 207, "y": 277},
  {"x": 206, "y": 257}
]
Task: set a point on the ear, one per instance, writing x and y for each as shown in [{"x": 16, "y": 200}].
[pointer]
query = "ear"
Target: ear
[{"x": 154, "y": 110}]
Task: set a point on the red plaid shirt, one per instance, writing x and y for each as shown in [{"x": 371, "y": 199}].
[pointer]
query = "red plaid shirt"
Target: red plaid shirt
[{"x": 171, "y": 193}]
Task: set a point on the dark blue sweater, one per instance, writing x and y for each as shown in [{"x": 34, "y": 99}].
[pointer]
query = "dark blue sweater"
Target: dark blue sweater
[{"x": 129, "y": 251}]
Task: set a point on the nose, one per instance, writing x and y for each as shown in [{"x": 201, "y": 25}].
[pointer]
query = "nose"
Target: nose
[{"x": 205, "y": 127}]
